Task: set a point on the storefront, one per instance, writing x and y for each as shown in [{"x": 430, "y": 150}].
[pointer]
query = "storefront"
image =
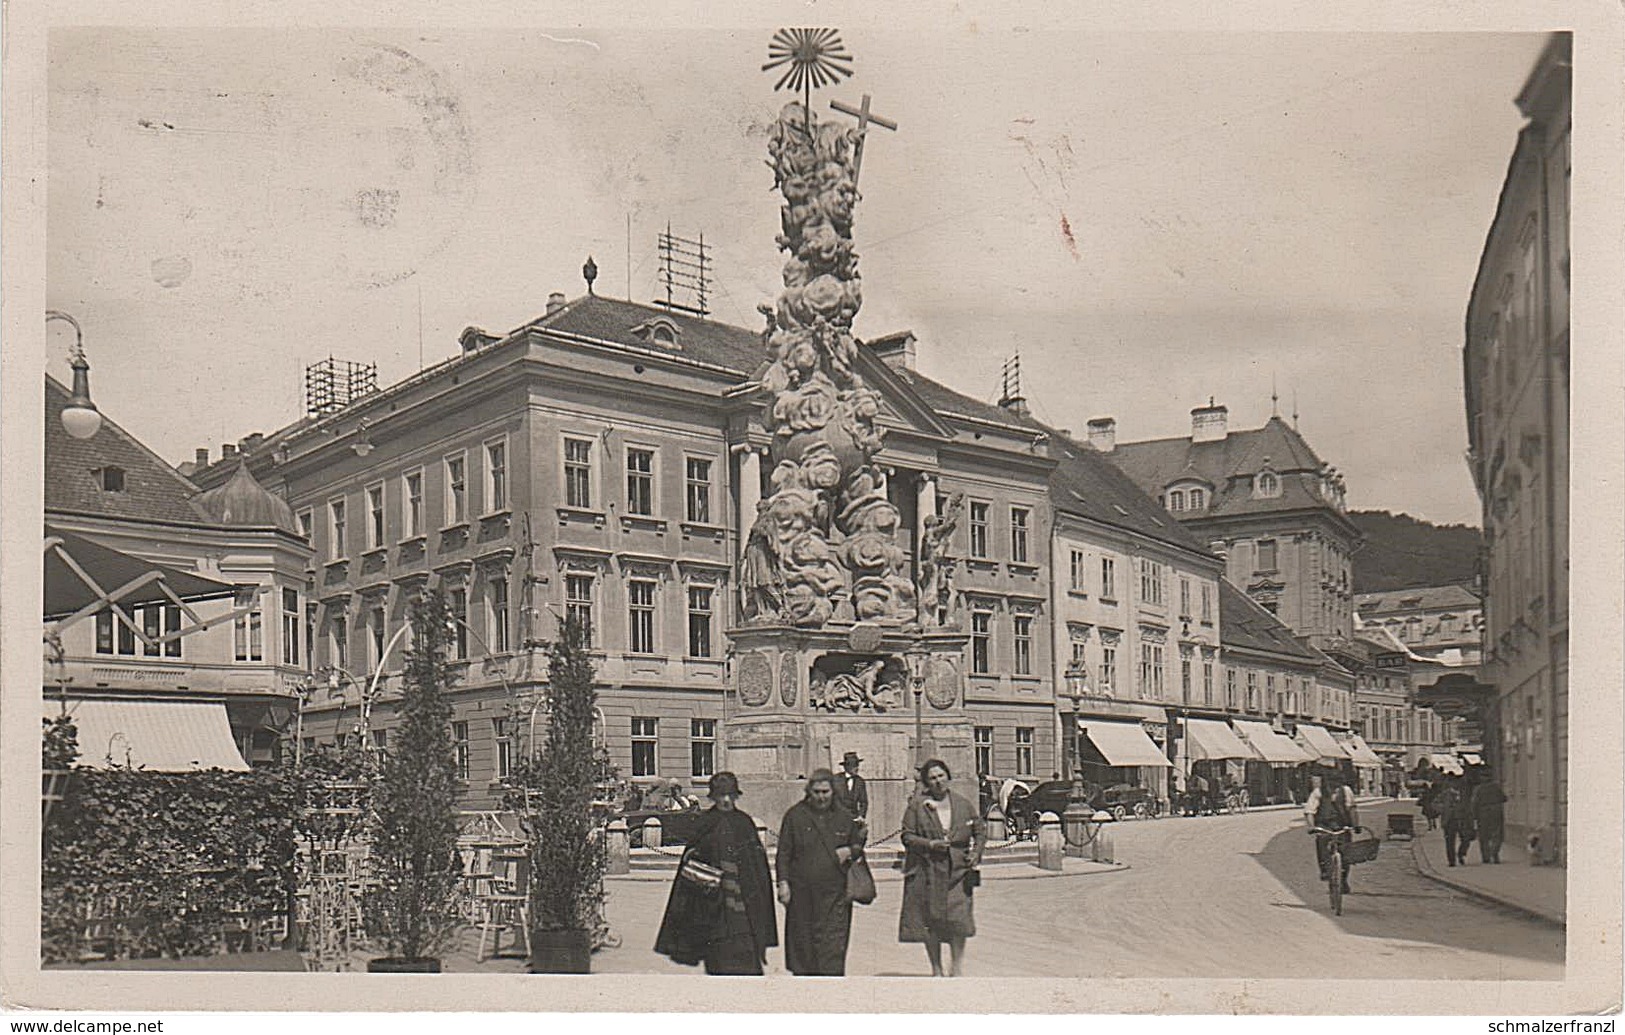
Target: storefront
[
  {"x": 1275, "y": 772},
  {"x": 1210, "y": 749},
  {"x": 1368, "y": 767},
  {"x": 1117, "y": 752}
]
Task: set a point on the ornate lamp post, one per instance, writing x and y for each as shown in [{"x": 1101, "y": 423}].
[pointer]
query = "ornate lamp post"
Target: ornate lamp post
[
  {"x": 80, "y": 417},
  {"x": 1075, "y": 819},
  {"x": 916, "y": 658}
]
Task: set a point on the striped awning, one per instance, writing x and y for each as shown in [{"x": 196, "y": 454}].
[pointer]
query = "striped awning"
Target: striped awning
[
  {"x": 1212, "y": 739},
  {"x": 159, "y": 736},
  {"x": 1270, "y": 745}
]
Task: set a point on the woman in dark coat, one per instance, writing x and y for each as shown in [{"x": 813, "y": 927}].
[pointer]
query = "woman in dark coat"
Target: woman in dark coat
[
  {"x": 818, "y": 841},
  {"x": 1489, "y": 815},
  {"x": 943, "y": 837},
  {"x": 731, "y": 926}
]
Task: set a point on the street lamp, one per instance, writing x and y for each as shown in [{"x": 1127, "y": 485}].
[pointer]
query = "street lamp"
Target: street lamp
[
  {"x": 1078, "y": 813},
  {"x": 916, "y": 658},
  {"x": 80, "y": 417}
]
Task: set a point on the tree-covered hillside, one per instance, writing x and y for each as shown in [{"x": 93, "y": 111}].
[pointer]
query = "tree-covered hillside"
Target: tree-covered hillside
[{"x": 1402, "y": 551}]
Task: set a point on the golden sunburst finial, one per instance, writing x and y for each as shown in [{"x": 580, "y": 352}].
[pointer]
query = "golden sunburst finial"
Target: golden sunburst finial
[{"x": 816, "y": 57}]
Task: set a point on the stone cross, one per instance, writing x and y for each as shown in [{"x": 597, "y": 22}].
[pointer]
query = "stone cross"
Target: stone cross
[{"x": 864, "y": 117}]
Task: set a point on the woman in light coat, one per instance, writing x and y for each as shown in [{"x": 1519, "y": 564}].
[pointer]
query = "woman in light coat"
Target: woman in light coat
[{"x": 943, "y": 838}]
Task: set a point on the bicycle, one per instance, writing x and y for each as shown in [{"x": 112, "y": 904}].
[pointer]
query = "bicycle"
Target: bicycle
[{"x": 1340, "y": 840}]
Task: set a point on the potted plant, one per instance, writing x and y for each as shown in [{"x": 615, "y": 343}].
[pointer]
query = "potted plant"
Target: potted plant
[
  {"x": 567, "y": 860},
  {"x": 59, "y": 749},
  {"x": 413, "y": 908}
]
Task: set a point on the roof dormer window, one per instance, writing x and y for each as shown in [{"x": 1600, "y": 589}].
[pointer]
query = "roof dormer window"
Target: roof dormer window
[
  {"x": 658, "y": 331},
  {"x": 1267, "y": 485},
  {"x": 109, "y": 479}
]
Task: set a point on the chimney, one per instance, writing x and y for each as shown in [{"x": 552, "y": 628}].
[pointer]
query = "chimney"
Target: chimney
[
  {"x": 895, "y": 350},
  {"x": 1015, "y": 404},
  {"x": 1103, "y": 434},
  {"x": 252, "y": 442},
  {"x": 1210, "y": 423},
  {"x": 555, "y": 302},
  {"x": 227, "y": 450},
  {"x": 202, "y": 456}
]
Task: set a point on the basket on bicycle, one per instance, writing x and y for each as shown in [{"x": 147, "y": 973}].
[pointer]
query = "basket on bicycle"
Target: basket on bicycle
[{"x": 1362, "y": 848}]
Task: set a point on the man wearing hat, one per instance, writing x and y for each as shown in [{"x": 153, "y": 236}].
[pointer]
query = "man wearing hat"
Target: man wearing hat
[{"x": 850, "y": 790}]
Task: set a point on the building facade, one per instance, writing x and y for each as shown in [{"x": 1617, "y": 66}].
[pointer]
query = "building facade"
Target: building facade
[
  {"x": 1516, "y": 376},
  {"x": 1398, "y": 729},
  {"x": 1440, "y": 623}
]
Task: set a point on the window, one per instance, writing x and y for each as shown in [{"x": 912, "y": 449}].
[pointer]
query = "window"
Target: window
[
  {"x": 249, "y": 636},
  {"x": 307, "y": 522},
  {"x": 1266, "y": 555},
  {"x": 1078, "y": 662},
  {"x": 380, "y": 740},
  {"x": 156, "y": 621},
  {"x": 456, "y": 489},
  {"x": 376, "y": 625},
  {"x": 1184, "y": 598},
  {"x": 1271, "y": 702},
  {"x": 291, "y": 615},
  {"x": 578, "y": 473},
  {"x": 1076, "y": 572},
  {"x": 1024, "y": 750},
  {"x": 1024, "y": 645},
  {"x": 496, "y": 597},
  {"x": 338, "y": 633},
  {"x": 502, "y": 734},
  {"x": 1198, "y": 499},
  {"x": 310, "y": 632},
  {"x": 1230, "y": 689},
  {"x": 578, "y": 602},
  {"x": 697, "y": 499},
  {"x": 640, "y": 482},
  {"x": 1185, "y": 680},
  {"x": 1018, "y": 534},
  {"x": 1207, "y": 682},
  {"x": 1268, "y": 484},
  {"x": 457, "y": 607},
  {"x": 413, "y": 492},
  {"x": 1108, "y": 578},
  {"x": 151, "y": 619},
  {"x": 645, "y": 738},
  {"x": 1252, "y": 691},
  {"x": 978, "y": 528},
  {"x": 702, "y": 747},
  {"x": 336, "y": 525},
  {"x": 1207, "y": 604},
  {"x": 496, "y": 476},
  {"x": 640, "y": 601},
  {"x": 459, "y": 741},
  {"x": 1176, "y": 500},
  {"x": 1150, "y": 582},
  {"x": 1151, "y": 670},
  {"x": 981, "y": 641},
  {"x": 375, "y": 516},
  {"x": 982, "y": 737},
  {"x": 1108, "y": 667},
  {"x": 699, "y": 621}
]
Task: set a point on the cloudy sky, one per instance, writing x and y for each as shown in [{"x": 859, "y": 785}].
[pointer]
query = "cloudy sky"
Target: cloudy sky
[{"x": 1149, "y": 219}]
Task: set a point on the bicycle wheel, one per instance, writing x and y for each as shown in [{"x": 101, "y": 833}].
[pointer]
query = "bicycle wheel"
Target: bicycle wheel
[{"x": 1334, "y": 880}]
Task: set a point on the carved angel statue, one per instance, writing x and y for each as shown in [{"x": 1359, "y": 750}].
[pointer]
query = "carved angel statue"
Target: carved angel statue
[{"x": 936, "y": 564}]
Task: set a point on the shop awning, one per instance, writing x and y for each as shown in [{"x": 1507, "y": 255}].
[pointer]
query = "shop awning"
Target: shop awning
[
  {"x": 1319, "y": 744},
  {"x": 1361, "y": 752},
  {"x": 1210, "y": 738},
  {"x": 1270, "y": 745},
  {"x": 1446, "y": 764},
  {"x": 1471, "y": 758},
  {"x": 79, "y": 573},
  {"x": 159, "y": 736},
  {"x": 1123, "y": 743}
]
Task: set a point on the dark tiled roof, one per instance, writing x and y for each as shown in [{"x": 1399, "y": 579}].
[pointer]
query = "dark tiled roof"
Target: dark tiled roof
[
  {"x": 1155, "y": 464},
  {"x": 1086, "y": 484},
  {"x": 706, "y": 341},
  {"x": 945, "y": 400},
  {"x": 153, "y": 491},
  {"x": 1243, "y": 623},
  {"x": 1422, "y": 598}
]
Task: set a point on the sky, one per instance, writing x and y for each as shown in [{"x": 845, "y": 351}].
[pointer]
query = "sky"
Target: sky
[{"x": 1148, "y": 219}]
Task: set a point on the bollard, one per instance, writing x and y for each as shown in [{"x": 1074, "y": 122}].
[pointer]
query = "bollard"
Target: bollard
[
  {"x": 651, "y": 833},
  {"x": 619, "y": 847},
  {"x": 1050, "y": 842},
  {"x": 996, "y": 829}
]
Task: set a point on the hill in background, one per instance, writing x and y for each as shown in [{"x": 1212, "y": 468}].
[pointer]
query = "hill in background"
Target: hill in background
[{"x": 1402, "y": 552}]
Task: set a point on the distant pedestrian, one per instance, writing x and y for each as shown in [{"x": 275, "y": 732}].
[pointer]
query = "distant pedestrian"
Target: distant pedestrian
[
  {"x": 818, "y": 840},
  {"x": 720, "y": 911},
  {"x": 1456, "y": 809},
  {"x": 1489, "y": 815},
  {"x": 943, "y": 838},
  {"x": 1430, "y": 803},
  {"x": 850, "y": 790}
]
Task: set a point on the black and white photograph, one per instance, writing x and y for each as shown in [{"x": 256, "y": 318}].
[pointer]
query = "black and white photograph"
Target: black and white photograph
[{"x": 1007, "y": 511}]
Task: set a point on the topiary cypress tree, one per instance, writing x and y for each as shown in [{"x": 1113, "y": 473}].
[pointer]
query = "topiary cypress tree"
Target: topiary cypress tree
[{"x": 413, "y": 908}]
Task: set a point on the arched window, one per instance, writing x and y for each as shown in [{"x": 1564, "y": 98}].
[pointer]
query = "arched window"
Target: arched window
[
  {"x": 1268, "y": 484},
  {"x": 1176, "y": 500},
  {"x": 1198, "y": 499}
]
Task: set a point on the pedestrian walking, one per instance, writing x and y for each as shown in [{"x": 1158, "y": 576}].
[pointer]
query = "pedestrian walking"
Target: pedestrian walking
[
  {"x": 1489, "y": 816},
  {"x": 819, "y": 841},
  {"x": 720, "y": 911},
  {"x": 943, "y": 838},
  {"x": 1430, "y": 803},
  {"x": 1456, "y": 809},
  {"x": 850, "y": 789}
]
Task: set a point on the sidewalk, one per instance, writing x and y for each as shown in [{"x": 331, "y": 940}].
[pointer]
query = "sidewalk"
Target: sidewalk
[{"x": 1540, "y": 891}]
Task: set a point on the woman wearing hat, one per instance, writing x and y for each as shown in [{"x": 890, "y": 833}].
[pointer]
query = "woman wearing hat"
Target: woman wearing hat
[
  {"x": 943, "y": 837},
  {"x": 720, "y": 911}
]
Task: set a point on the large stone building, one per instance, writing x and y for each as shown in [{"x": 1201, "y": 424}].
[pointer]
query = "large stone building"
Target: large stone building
[
  {"x": 1516, "y": 376},
  {"x": 174, "y": 618},
  {"x": 602, "y": 460},
  {"x": 1441, "y": 623}
]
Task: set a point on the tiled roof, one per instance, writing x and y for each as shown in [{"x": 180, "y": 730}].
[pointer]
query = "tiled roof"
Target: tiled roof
[
  {"x": 1427, "y": 598},
  {"x": 706, "y": 341},
  {"x": 243, "y": 502},
  {"x": 1086, "y": 484},
  {"x": 153, "y": 491},
  {"x": 1243, "y": 623},
  {"x": 945, "y": 400},
  {"x": 1155, "y": 464}
]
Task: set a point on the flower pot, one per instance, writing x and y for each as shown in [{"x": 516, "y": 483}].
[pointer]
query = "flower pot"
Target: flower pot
[
  {"x": 404, "y": 965},
  {"x": 561, "y": 952}
]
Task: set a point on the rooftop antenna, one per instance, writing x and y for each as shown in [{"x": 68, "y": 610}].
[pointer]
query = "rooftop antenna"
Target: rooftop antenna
[
  {"x": 420, "y": 325},
  {"x": 1275, "y": 399},
  {"x": 1294, "y": 409},
  {"x": 1010, "y": 379},
  {"x": 629, "y": 256},
  {"x": 685, "y": 265}
]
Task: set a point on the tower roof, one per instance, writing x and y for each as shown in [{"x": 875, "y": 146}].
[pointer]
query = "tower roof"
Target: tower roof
[{"x": 243, "y": 502}]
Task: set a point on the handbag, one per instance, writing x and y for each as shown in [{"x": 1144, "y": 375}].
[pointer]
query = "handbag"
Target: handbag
[
  {"x": 702, "y": 875},
  {"x": 973, "y": 879},
  {"x": 860, "y": 883}
]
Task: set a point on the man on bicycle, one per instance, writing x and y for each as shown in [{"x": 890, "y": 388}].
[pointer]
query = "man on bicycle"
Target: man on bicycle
[{"x": 1331, "y": 807}]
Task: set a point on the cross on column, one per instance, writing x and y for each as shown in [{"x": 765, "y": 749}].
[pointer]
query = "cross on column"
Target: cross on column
[{"x": 864, "y": 117}]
